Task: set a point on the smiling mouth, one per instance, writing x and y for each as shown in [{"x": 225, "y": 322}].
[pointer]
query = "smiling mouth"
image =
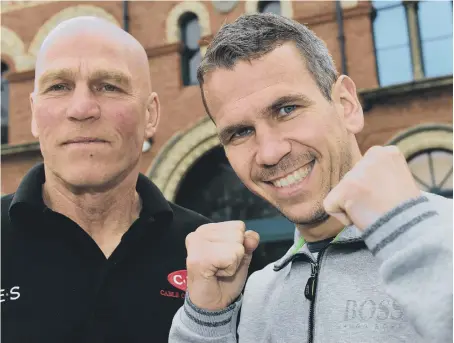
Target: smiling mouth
[{"x": 293, "y": 178}]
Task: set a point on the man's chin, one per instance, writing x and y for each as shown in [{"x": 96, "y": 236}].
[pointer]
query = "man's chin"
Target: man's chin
[
  {"x": 87, "y": 181},
  {"x": 306, "y": 214},
  {"x": 315, "y": 220}
]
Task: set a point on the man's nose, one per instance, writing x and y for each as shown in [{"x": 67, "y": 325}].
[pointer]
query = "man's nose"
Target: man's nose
[
  {"x": 271, "y": 148},
  {"x": 83, "y": 105}
]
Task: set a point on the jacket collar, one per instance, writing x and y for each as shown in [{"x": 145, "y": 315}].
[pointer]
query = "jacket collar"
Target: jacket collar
[
  {"x": 28, "y": 196},
  {"x": 349, "y": 234}
]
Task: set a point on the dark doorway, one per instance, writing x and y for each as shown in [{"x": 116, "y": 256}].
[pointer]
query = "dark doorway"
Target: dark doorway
[{"x": 212, "y": 188}]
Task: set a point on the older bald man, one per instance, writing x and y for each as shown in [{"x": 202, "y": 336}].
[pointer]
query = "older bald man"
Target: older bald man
[{"x": 91, "y": 250}]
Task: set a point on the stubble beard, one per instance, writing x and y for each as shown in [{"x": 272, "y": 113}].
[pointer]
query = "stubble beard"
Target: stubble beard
[{"x": 318, "y": 214}]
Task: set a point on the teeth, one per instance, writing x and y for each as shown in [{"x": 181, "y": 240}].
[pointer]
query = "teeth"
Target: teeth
[{"x": 293, "y": 178}]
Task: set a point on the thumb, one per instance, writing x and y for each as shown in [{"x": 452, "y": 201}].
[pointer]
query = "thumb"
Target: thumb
[
  {"x": 342, "y": 217},
  {"x": 332, "y": 205},
  {"x": 251, "y": 242}
]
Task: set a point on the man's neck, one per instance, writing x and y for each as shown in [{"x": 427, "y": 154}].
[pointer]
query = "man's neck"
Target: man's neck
[
  {"x": 318, "y": 232},
  {"x": 104, "y": 215}
]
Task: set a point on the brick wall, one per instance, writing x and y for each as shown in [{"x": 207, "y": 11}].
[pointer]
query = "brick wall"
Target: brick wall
[
  {"x": 397, "y": 114},
  {"x": 182, "y": 106}
]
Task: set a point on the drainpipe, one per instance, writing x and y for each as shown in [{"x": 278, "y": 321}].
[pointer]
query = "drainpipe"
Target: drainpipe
[
  {"x": 125, "y": 16},
  {"x": 341, "y": 36}
]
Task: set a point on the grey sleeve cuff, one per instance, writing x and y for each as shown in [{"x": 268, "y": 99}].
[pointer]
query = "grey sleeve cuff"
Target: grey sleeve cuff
[
  {"x": 210, "y": 323},
  {"x": 390, "y": 232}
]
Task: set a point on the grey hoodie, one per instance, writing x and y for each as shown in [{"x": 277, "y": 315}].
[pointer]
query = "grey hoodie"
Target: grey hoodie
[{"x": 391, "y": 283}]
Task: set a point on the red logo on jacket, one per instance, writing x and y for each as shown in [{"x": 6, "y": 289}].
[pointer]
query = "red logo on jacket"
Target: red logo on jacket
[{"x": 178, "y": 279}]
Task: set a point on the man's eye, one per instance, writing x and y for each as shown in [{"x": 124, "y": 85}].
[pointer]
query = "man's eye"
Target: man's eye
[
  {"x": 242, "y": 133},
  {"x": 108, "y": 88},
  {"x": 58, "y": 87},
  {"x": 286, "y": 110}
]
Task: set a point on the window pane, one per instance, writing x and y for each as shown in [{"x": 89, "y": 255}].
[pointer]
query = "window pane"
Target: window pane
[
  {"x": 419, "y": 166},
  {"x": 432, "y": 170},
  {"x": 437, "y": 57},
  {"x": 394, "y": 66},
  {"x": 192, "y": 34},
  {"x": 435, "y": 19},
  {"x": 193, "y": 65},
  {"x": 390, "y": 28},
  {"x": 435, "y": 25},
  {"x": 383, "y": 4},
  {"x": 271, "y": 7}
]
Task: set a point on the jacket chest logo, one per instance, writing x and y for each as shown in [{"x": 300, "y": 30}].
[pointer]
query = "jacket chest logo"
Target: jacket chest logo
[{"x": 178, "y": 279}]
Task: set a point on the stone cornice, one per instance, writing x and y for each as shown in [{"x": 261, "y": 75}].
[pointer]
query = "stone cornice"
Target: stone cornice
[
  {"x": 163, "y": 50},
  {"x": 372, "y": 96}
]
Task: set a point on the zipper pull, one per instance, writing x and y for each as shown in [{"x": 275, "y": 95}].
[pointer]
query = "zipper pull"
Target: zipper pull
[{"x": 309, "y": 290}]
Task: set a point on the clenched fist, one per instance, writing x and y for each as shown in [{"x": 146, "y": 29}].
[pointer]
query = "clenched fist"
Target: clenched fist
[
  {"x": 218, "y": 259},
  {"x": 379, "y": 182}
]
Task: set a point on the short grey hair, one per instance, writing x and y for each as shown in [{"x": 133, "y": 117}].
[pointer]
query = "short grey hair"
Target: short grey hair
[{"x": 253, "y": 35}]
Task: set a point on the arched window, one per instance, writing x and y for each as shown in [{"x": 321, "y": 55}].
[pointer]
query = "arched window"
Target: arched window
[
  {"x": 5, "y": 105},
  {"x": 212, "y": 188},
  {"x": 190, "y": 55},
  {"x": 432, "y": 170},
  {"x": 428, "y": 151},
  {"x": 270, "y": 7}
]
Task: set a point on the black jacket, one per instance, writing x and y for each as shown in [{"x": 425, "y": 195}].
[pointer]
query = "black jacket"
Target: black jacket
[{"x": 58, "y": 286}]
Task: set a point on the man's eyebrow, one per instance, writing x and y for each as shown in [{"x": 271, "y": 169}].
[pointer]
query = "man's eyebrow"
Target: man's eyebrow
[
  {"x": 69, "y": 74},
  {"x": 55, "y": 74},
  {"x": 225, "y": 134},
  {"x": 115, "y": 75},
  {"x": 292, "y": 99}
]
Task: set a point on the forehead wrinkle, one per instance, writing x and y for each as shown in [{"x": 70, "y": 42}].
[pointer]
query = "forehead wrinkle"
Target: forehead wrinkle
[
  {"x": 258, "y": 110},
  {"x": 133, "y": 52},
  {"x": 97, "y": 74}
]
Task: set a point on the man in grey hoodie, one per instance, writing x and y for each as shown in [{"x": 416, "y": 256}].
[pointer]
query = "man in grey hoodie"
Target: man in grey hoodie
[{"x": 372, "y": 259}]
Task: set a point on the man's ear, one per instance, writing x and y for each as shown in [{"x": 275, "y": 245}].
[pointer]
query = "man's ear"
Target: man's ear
[
  {"x": 153, "y": 115},
  {"x": 34, "y": 126},
  {"x": 347, "y": 103}
]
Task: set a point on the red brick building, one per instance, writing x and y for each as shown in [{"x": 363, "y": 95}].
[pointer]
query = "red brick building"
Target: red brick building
[{"x": 399, "y": 54}]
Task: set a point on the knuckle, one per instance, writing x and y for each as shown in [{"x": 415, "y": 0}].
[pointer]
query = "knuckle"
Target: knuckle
[
  {"x": 239, "y": 250},
  {"x": 348, "y": 205},
  {"x": 393, "y": 150},
  {"x": 205, "y": 227},
  {"x": 233, "y": 256},
  {"x": 239, "y": 236},
  {"x": 239, "y": 225},
  {"x": 227, "y": 272},
  {"x": 189, "y": 239},
  {"x": 193, "y": 262},
  {"x": 376, "y": 149},
  {"x": 329, "y": 200}
]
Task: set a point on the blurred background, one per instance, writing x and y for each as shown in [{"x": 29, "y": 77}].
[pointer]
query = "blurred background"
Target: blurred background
[{"x": 399, "y": 53}]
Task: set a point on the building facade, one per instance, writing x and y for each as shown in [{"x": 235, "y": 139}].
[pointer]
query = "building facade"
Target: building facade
[{"x": 398, "y": 53}]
